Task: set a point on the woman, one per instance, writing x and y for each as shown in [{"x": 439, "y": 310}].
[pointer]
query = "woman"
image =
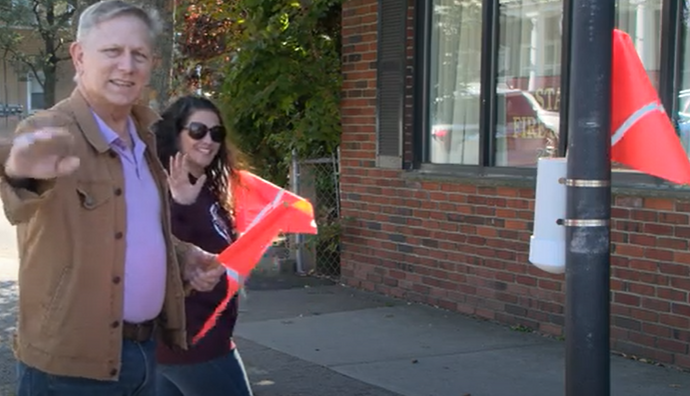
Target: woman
[{"x": 201, "y": 164}]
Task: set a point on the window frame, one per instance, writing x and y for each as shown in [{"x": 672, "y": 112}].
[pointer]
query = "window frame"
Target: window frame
[{"x": 669, "y": 85}]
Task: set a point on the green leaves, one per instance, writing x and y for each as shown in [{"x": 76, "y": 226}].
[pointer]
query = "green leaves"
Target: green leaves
[
  {"x": 283, "y": 90},
  {"x": 274, "y": 66}
]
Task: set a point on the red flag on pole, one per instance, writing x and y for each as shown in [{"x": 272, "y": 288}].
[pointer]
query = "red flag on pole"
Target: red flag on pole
[
  {"x": 254, "y": 194},
  {"x": 263, "y": 211},
  {"x": 642, "y": 135}
]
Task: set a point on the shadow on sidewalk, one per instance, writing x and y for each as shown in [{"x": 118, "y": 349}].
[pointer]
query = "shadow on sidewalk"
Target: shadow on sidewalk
[
  {"x": 274, "y": 273},
  {"x": 274, "y": 373},
  {"x": 260, "y": 281}
]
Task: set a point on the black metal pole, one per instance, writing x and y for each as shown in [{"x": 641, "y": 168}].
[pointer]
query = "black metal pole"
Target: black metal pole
[
  {"x": 566, "y": 34},
  {"x": 589, "y": 199}
]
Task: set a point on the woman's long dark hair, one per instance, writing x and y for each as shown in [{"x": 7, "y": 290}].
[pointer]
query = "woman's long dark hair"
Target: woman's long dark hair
[{"x": 222, "y": 171}]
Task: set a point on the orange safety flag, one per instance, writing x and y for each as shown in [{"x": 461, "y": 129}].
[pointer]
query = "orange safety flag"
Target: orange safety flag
[
  {"x": 253, "y": 196},
  {"x": 642, "y": 135},
  {"x": 264, "y": 211}
]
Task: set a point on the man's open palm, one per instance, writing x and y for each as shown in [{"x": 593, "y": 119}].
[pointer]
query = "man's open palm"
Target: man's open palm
[{"x": 44, "y": 154}]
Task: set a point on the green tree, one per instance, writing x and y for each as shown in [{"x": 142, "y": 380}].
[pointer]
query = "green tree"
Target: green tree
[
  {"x": 52, "y": 24},
  {"x": 48, "y": 22},
  {"x": 274, "y": 67},
  {"x": 161, "y": 81},
  {"x": 203, "y": 32},
  {"x": 281, "y": 89}
]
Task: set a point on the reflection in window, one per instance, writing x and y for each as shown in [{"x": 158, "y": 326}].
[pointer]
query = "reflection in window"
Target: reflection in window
[
  {"x": 683, "y": 111},
  {"x": 529, "y": 65},
  {"x": 641, "y": 20},
  {"x": 455, "y": 67},
  {"x": 528, "y": 93}
]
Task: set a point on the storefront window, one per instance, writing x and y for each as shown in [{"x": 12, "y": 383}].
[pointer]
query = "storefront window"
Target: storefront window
[
  {"x": 455, "y": 68},
  {"x": 528, "y": 79},
  {"x": 528, "y": 91},
  {"x": 641, "y": 19},
  {"x": 683, "y": 111}
]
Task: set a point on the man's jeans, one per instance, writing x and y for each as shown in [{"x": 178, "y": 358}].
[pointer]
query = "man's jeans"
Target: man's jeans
[{"x": 136, "y": 377}]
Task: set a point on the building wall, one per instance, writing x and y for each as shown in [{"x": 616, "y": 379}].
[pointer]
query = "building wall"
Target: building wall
[
  {"x": 14, "y": 87},
  {"x": 462, "y": 243}
]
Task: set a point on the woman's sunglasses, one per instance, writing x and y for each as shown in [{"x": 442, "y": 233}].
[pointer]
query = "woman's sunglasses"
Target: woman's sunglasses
[{"x": 198, "y": 131}]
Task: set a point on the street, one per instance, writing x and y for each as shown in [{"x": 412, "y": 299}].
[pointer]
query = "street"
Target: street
[
  {"x": 7, "y": 125},
  {"x": 8, "y": 299}
]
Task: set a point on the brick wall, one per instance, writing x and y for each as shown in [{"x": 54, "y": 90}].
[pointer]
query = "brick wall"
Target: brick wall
[{"x": 463, "y": 244}]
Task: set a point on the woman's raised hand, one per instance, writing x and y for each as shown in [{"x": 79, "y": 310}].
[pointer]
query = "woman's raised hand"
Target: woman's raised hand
[{"x": 183, "y": 191}]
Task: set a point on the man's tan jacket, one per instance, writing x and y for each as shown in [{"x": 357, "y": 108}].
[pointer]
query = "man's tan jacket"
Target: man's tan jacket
[{"x": 72, "y": 252}]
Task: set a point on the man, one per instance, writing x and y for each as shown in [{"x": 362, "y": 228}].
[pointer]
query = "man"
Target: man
[{"x": 99, "y": 271}]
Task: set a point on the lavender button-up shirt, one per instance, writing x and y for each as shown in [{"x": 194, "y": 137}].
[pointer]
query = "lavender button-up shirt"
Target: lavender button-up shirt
[{"x": 145, "y": 254}]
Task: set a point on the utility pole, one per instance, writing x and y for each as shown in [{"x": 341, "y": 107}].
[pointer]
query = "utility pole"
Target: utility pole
[{"x": 589, "y": 199}]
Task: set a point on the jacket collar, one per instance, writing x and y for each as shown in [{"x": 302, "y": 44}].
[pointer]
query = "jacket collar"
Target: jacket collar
[{"x": 142, "y": 116}]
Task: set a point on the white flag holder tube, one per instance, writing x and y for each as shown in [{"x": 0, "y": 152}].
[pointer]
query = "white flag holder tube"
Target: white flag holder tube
[{"x": 547, "y": 243}]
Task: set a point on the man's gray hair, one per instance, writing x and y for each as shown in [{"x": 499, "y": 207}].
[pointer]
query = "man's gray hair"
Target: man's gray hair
[{"x": 110, "y": 9}]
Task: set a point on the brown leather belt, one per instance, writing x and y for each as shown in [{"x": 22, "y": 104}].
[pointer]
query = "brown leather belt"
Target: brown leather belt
[{"x": 138, "y": 332}]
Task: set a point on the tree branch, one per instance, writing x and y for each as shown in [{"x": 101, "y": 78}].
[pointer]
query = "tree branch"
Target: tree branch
[
  {"x": 65, "y": 17},
  {"x": 57, "y": 47},
  {"x": 22, "y": 58},
  {"x": 37, "y": 16}
]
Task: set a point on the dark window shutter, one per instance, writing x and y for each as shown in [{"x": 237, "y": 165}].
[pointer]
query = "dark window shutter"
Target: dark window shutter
[{"x": 392, "y": 16}]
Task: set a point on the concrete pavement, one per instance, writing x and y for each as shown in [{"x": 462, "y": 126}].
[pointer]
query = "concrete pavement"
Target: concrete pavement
[
  {"x": 275, "y": 373},
  {"x": 8, "y": 304},
  {"x": 415, "y": 350}
]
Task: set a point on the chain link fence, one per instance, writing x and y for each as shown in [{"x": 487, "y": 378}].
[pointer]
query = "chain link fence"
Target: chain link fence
[{"x": 317, "y": 179}]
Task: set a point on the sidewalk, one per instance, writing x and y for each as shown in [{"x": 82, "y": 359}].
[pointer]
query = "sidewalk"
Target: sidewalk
[
  {"x": 7, "y": 126},
  {"x": 331, "y": 340}
]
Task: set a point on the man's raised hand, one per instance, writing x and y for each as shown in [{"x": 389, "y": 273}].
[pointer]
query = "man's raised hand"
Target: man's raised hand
[{"x": 43, "y": 154}]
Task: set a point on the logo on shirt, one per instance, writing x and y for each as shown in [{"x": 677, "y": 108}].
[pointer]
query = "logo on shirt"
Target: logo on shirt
[{"x": 219, "y": 223}]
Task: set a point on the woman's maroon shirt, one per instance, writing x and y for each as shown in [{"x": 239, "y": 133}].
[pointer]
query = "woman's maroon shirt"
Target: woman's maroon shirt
[{"x": 206, "y": 225}]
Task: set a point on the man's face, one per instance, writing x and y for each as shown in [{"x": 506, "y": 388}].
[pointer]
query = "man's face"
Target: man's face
[{"x": 114, "y": 61}]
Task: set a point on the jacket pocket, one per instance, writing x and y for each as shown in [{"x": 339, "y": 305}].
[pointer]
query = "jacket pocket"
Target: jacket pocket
[
  {"x": 93, "y": 194},
  {"x": 54, "y": 309}
]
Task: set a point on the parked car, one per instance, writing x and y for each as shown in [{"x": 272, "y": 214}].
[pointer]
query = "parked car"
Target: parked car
[
  {"x": 7, "y": 110},
  {"x": 683, "y": 118},
  {"x": 16, "y": 108},
  {"x": 524, "y": 130}
]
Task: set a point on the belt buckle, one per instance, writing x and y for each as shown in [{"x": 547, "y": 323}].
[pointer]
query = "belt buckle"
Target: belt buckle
[{"x": 141, "y": 331}]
